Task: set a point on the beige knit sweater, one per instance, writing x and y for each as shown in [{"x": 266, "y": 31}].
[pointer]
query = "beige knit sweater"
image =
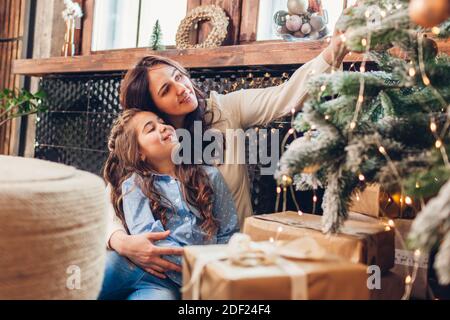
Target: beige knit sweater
[{"x": 245, "y": 108}]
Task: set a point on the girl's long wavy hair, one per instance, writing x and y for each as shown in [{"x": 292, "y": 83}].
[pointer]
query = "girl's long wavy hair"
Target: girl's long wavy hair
[{"x": 124, "y": 160}]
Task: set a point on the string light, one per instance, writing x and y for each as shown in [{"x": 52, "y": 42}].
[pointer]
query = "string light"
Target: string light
[
  {"x": 367, "y": 14},
  {"x": 357, "y": 197},
  {"x": 426, "y": 80},
  {"x": 271, "y": 239},
  {"x": 327, "y": 117},
  {"x": 383, "y": 13},
  {"x": 417, "y": 185},
  {"x": 408, "y": 200},
  {"x": 387, "y": 228},
  {"x": 435, "y": 30},
  {"x": 433, "y": 126},
  {"x": 323, "y": 88},
  {"x": 391, "y": 223},
  {"x": 408, "y": 279},
  {"x": 278, "y": 190},
  {"x": 364, "y": 42},
  {"x": 300, "y": 213},
  {"x": 343, "y": 39},
  {"x": 352, "y": 125},
  {"x": 314, "y": 198},
  {"x": 360, "y": 98},
  {"x": 417, "y": 253},
  {"x": 293, "y": 111},
  {"x": 382, "y": 150},
  {"x": 362, "y": 69},
  {"x": 438, "y": 143},
  {"x": 361, "y": 177},
  {"x": 412, "y": 72}
]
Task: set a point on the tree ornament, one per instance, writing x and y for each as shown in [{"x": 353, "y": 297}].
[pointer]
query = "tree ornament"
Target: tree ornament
[
  {"x": 280, "y": 17},
  {"x": 298, "y": 6},
  {"x": 306, "y": 28},
  {"x": 294, "y": 23},
  {"x": 156, "y": 38},
  {"x": 428, "y": 13},
  {"x": 430, "y": 48},
  {"x": 317, "y": 22}
]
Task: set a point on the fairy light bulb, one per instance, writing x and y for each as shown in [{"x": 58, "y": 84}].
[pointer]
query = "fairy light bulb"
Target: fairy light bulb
[
  {"x": 361, "y": 177},
  {"x": 433, "y": 127},
  {"x": 383, "y": 13},
  {"x": 391, "y": 223},
  {"x": 280, "y": 229},
  {"x": 327, "y": 117},
  {"x": 367, "y": 14},
  {"x": 291, "y": 131},
  {"x": 382, "y": 150},
  {"x": 435, "y": 30},
  {"x": 408, "y": 201},
  {"x": 362, "y": 69},
  {"x": 408, "y": 279},
  {"x": 438, "y": 143},
  {"x": 364, "y": 42},
  {"x": 387, "y": 228},
  {"x": 357, "y": 198},
  {"x": 300, "y": 213},
  {"x": 323, "y": 88},
  {"x": 398, "y": 6},
  {"x": 417, "y": 185},
  {"x": 271, "y": 239},
  {"x": 417, "y": 253},
  {"x": 278, "y": 190},
  {"x": 426, "y": 80},
  {"x": 343, "y": 38},
  {"x": 352, "y": 125},
  {"x": 412, "y": 72},
  {"x": 293, "y": 111},
  {"x": 314, "y": 198},
  {"x": 360, "y": 98}
]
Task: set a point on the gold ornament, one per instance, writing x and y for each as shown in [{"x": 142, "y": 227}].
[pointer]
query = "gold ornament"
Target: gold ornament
[
  {"x": 211, "y": 13},
  {"x": 298, "y": 6},
  {"x": 428, "y": 13}
]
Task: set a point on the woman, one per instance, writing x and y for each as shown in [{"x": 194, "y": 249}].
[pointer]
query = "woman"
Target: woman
[{"x": 162, "y": 86}]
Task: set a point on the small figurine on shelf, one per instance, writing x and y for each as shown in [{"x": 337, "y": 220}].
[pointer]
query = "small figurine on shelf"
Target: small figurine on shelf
[
  {"x": 304, "y": 20},
  {"x": 70, "y": 14}
]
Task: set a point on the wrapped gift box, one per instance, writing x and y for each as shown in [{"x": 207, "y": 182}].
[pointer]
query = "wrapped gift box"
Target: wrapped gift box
[
  {"x": 221, "y": 279},
  {"x": 358, "y": 241},
  {"x": 375, "y": 202},
  {"x": 392, "y": 287}
]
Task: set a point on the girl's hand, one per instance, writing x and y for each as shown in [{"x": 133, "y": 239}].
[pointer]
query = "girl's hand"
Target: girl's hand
[{"x": 141, "y": 251}]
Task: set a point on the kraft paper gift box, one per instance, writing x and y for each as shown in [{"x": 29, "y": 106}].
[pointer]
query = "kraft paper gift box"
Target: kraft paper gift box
[
  {"x": 358, "y": 241},
  {"x": 392, "y": 287},
  {"x": 376, "y": 202},
  {"x": 212, "y": 275}
]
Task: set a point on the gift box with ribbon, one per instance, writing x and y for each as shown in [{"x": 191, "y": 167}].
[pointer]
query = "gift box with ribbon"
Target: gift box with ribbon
[
  {"x": 247, "y": 270},
  {"x": 358, "y": 241}
]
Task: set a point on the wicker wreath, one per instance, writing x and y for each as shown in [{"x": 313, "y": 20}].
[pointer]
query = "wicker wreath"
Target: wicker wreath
[{"x": 212, "y": 13}]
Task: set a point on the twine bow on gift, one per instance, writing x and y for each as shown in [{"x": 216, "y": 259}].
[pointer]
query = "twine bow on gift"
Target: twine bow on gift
[{"x": 242, "y": 252}]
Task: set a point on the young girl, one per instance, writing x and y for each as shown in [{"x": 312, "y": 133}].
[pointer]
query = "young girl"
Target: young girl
[{"x": 152, "y": 194}]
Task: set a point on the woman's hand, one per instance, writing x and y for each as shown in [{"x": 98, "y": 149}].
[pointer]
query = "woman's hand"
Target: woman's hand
[
  {"x": 141, "y": 251},
  {"x": 336, "y": 51}
]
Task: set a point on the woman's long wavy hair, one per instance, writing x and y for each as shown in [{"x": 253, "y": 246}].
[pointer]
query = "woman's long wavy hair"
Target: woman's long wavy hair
[
  {"x": 134, "y": 93},
  {"x": 124, "y": 160}
]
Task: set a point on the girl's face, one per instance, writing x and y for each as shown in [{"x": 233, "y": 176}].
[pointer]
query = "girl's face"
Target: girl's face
[
  {"x": 172, "y": 91},
  {"x": 156, "y": 139}
]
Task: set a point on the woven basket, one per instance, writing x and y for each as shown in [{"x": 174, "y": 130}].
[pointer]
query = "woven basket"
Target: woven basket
[{"x": 52, "y": 231}]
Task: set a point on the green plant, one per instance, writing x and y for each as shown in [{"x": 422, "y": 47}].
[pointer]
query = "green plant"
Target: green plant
[{"x": 19, "y": 102}]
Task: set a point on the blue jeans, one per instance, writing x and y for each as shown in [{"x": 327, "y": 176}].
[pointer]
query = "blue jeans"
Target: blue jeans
[{"x": 124, "y": 280}]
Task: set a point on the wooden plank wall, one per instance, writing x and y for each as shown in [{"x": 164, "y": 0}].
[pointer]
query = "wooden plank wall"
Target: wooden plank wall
[{"x": 11, "y": 30}]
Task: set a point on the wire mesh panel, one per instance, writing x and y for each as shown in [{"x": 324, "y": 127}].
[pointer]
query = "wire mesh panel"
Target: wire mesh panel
[{"x": 82, "y": 108}]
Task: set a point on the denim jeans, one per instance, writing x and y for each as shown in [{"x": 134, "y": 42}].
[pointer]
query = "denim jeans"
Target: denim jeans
[{"x": 124, "y": 280}]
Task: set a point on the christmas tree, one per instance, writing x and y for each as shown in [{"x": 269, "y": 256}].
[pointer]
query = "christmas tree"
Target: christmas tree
[
  {"x": 389, "y": 126},
  {"x": 156, "y": 39}
]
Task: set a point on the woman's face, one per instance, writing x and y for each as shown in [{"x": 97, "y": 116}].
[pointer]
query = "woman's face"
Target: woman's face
[
  {"x": 172, "y": 91},
  {"x": 155, "y": 138}
]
